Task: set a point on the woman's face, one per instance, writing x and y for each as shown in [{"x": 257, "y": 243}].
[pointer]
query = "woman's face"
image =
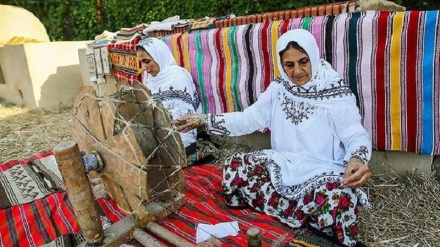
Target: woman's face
[
  {"x": 148, "y": 62},
  {"x": 297, "y": 66}
]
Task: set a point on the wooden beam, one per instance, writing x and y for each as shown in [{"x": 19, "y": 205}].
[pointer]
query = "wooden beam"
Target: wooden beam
[
  {"x": 78, "y": 189},
  {"x": 87, "y": 124},
  {"x": 108, "y": 113},
  {"x": 117, "y": 234},
  {"x": 146, "y": 239},
  {"x": 162, "y": 209},
  {"x": 122, "y": 159},
  {"x": 138, "y": 209},
  {"x": 117, "y": 194},
  {"x": 172, "y": 154},
  {"x": 167, "y": 235}
]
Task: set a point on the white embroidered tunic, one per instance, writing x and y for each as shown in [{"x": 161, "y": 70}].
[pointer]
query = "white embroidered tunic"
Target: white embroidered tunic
[
  {"x": 173, "y": 85},
  {"x": 315, "y": 129}
]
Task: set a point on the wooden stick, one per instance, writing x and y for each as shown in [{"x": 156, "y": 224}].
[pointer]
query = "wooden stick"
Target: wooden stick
[
  {"x": 167, "y": 235},
  {"x": 146, "y": 239},
  {"x": 79, "y": 191},
  {"x": 254, "y": 237}
]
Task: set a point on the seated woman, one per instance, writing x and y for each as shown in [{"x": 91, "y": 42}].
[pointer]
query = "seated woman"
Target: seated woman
[
  {"x": 174, "y": 87},
  {"x": 320, "y": 149}
]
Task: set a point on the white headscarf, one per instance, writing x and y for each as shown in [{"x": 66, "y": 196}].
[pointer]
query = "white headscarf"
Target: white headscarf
[
  {"x": 162, "y": 55},
  {"x": 323, "y": 75},
  {"x": 173, "y": 85}
]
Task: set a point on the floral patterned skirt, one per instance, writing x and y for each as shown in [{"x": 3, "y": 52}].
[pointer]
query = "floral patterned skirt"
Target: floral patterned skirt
[{"x": 329, "y": 207}]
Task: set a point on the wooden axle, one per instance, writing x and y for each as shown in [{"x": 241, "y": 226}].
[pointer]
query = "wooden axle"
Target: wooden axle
[
  {"x": 146, "y": 239},
  {"x": 167, "y": 235},
  {"x": 122, "y": 231}
]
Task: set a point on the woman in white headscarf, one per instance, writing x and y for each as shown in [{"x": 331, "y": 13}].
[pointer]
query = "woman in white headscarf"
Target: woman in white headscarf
[
  {"x": 174, "y": 87},
  {"x": 320, "y": 149}
]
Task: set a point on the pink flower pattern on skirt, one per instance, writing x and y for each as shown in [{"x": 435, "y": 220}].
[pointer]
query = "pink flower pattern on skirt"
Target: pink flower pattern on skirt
[{"x": 246, "y": 182}]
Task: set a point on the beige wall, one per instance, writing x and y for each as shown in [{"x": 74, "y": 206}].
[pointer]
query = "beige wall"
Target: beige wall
[
  {"x": 18, "y": 22},
  {"x": 41, "y": 75}
]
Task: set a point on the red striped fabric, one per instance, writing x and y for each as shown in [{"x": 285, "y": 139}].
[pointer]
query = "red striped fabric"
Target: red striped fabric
[
  {"x": 44, "y": 220},
  {"x": 180, "y": 47},
  {"x": 205, "y": 204},
  {"x": 284, "y": 27},
  {"x": 38, "y": 222},
  {"x": 380, "y": 82},
  {"x": 5, "y": 166},
  {"x": 411, "y": 79},
  {"x": 109, "y": 209}
]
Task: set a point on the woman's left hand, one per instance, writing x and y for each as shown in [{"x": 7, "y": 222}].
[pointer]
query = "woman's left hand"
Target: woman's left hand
[{"x": 356, "y": 174}]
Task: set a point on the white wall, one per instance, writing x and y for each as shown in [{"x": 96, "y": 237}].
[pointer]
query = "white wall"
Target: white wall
[{"x": 41, "y": 75}]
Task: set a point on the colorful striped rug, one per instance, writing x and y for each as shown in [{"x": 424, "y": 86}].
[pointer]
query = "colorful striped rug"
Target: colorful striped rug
[
  {"x": 126, "y": 66},
  {"x": 390, "y": 59}
]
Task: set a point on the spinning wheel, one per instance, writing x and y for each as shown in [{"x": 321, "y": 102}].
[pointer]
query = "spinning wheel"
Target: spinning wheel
[{"x": 130, "y": 139}]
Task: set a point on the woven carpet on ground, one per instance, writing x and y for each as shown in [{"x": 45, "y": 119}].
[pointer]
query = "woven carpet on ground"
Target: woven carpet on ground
[
  {"x": 50, "y": 220},
  {"x": 391, "y": 60},
  {"x": 30, "y": 181},
  {"x": 47, "y": 220},
  {"x": 205, "y": 204}
]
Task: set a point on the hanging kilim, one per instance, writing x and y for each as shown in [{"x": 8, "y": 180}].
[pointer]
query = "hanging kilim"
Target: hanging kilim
[{"x": 391, "y": 61}]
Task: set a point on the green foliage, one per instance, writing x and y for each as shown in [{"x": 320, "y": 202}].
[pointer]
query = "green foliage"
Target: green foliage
[{"x": 83, "y": 19}]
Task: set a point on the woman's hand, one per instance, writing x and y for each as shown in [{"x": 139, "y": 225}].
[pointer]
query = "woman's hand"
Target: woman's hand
[
  {"x": 356, "y": 174},
  {"x": 190, "y": 122}
]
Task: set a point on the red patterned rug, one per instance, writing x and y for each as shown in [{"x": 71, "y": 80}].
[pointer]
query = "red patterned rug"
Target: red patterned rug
[{"x": 50, "y": 220}]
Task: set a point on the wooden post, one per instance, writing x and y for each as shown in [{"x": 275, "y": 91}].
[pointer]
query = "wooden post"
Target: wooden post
[
  {"x": 79, "y": 191},
  {"x": 254, "y": 237}
]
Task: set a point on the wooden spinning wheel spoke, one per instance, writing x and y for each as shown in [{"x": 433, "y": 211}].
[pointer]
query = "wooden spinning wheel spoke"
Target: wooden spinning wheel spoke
[{"x": 141, "y": 152}]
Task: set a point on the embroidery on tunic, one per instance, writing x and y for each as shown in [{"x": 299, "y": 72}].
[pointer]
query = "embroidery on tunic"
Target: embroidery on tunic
[
  {"x": 182, "y": 95},
  {"x": 361, "y": 153},
  {"x": 217, "y": 127},
  {"x": 337, "y": 89},
  {"x": 296, "y": 111},
  {"x": 259, "y": 157},
  {"x": 298, "y": 191}
]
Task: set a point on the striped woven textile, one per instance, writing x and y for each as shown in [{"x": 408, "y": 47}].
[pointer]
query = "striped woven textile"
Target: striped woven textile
[
  {"x": 126, "y": 66},
  {"x": 28, "y": 182},
  {"x": 50, "y": 221},
  {"x": 205, "y": 204},
  {"x": 390, "y": 59},
  {"x": 47, "y": 221}
]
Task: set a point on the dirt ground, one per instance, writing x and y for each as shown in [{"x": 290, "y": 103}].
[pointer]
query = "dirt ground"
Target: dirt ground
[{"x": 406, "y": 210}]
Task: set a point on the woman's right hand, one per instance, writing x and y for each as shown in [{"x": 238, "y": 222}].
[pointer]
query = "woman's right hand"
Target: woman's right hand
[{"x": 190, "y": 122}]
